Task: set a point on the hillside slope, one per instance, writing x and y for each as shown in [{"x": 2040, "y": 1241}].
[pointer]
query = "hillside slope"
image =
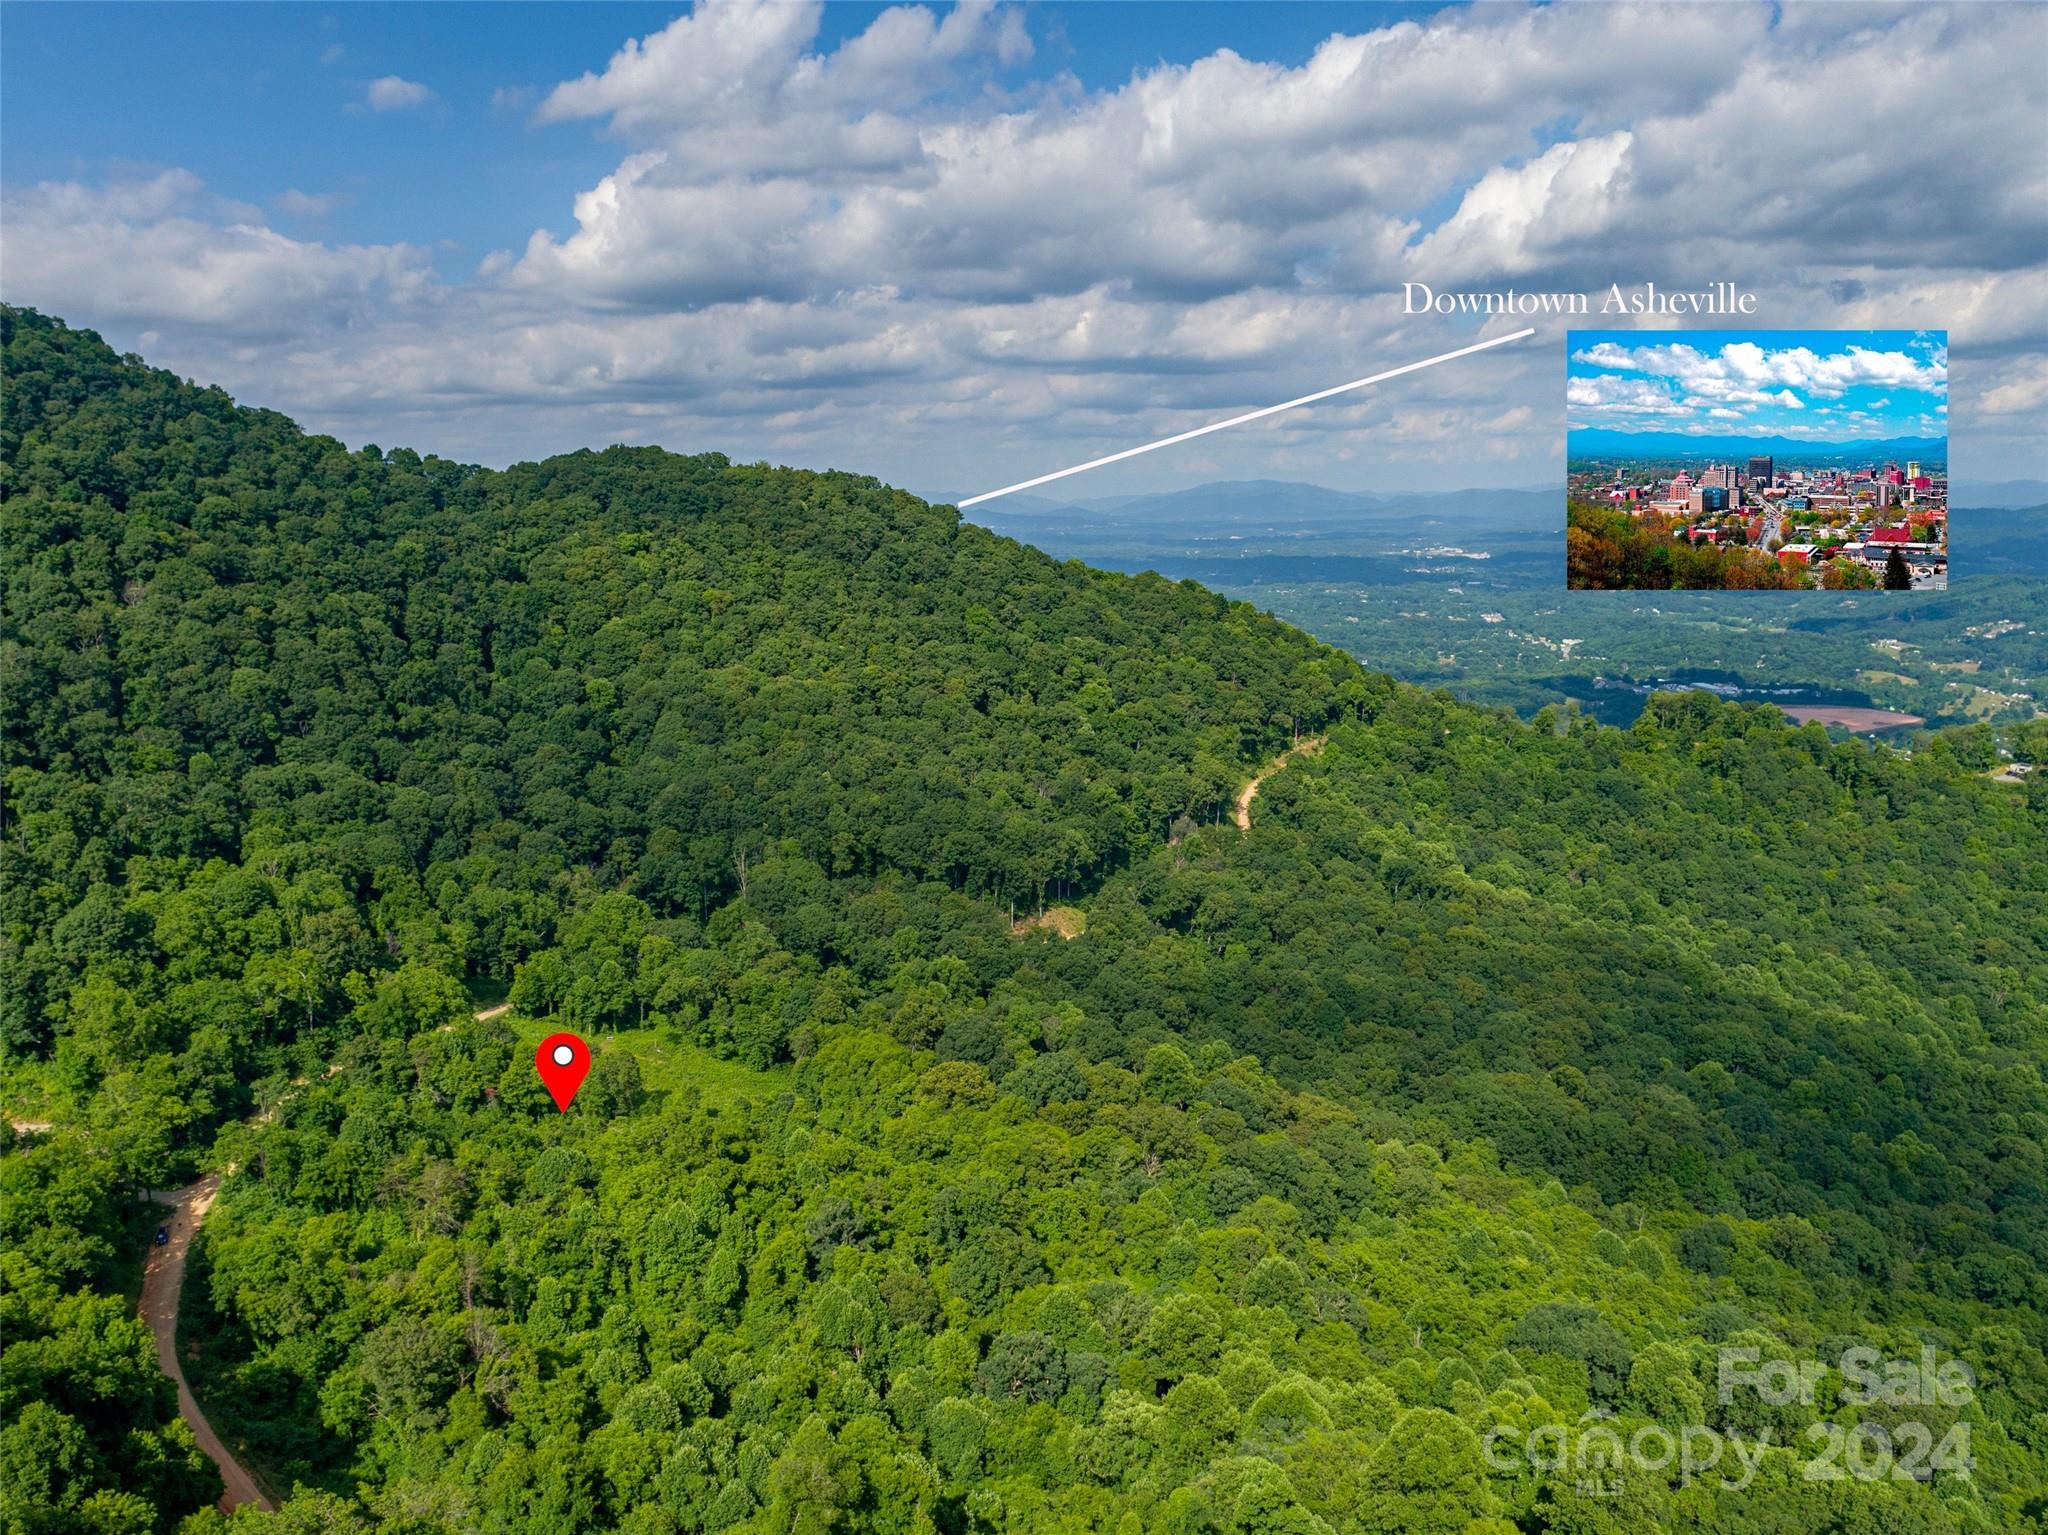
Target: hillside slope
[{"x": 1499, "y": 1074}]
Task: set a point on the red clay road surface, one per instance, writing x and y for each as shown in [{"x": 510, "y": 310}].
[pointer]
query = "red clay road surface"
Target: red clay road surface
[
  {"x": 1241, "y": 812},
  {"x": 161, "y": 1283}
]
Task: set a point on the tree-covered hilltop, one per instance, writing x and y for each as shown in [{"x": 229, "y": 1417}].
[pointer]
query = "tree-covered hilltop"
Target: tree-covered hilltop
[
  {"x": 1610, "y": 548},
  {"x": 881, "y": 1291},
  {"x": 1510, "y": 1056}
]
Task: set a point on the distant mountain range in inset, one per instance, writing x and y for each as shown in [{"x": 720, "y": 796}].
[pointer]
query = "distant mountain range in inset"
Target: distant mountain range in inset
[{"x": 1607, "y": 441}]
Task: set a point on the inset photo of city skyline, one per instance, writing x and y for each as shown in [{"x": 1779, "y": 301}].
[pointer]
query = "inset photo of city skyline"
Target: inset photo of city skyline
[{"x": 1756, "y": 460}]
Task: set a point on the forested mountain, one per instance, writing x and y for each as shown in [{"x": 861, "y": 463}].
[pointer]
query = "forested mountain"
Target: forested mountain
[{"x": 1498, "y": 1078}]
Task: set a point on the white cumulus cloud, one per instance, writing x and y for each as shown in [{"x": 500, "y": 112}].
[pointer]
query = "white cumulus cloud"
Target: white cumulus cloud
[
  {"x": 392, "y": 93},
  {"x": 162, "y": 252},
  {"x": 927, "y": 251}
]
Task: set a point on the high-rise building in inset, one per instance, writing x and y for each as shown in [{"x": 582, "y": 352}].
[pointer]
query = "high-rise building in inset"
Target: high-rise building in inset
[
  {"x": 1762, "y": 468},
  {"x": 1912, "y": 469}
]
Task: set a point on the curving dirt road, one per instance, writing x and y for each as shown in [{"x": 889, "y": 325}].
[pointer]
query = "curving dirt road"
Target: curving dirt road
[
  {"x": 162, "y": 1284},
  {"x": 1241, "y": 812}
]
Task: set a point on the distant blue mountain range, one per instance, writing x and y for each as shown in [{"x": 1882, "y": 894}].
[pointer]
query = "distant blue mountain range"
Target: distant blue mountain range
[
  {"x": 1266, "y": 505},
  {"x": 1604, "y": 441},
  {"x": 1260, "y": 501}
]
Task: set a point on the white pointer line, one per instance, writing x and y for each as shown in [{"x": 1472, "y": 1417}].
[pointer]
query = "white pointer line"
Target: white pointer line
[{"x": 1252, "y": 415}]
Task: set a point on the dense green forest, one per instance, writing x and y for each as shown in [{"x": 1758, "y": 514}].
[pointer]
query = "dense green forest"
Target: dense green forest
[
  {"x": 1611, "y": 548},
  {"x": 1502, "y": 1078}
]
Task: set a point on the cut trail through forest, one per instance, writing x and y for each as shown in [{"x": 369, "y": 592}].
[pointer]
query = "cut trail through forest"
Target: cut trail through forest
[
  {"x": 1241, "y": 812},
  {"x": 163, "y": 1285}
]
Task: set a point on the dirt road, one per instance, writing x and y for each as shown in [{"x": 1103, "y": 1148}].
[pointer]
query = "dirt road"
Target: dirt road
[
  {"x": 162, "y": 1284},
  {"x": 1241, "y": 812}
]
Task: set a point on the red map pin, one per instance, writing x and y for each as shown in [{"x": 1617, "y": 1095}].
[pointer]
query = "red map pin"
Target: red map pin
[{"x": 563, "y": 1061}]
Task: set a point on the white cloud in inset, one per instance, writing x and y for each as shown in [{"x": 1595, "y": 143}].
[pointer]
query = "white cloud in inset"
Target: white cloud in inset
[
  {"x": 1743, "y": 370},
  {"x": 1636, "y": 396}
]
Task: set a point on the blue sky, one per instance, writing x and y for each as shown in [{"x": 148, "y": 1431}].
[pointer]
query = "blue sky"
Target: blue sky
[
  {"x": 962, "y": 246},
  {"x": 262, "y": 99},
  {"x": 1825, "y": 385}
]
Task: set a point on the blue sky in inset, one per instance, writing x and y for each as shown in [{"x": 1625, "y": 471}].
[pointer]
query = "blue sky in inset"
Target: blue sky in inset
[{"x": 1827, "y": 385}]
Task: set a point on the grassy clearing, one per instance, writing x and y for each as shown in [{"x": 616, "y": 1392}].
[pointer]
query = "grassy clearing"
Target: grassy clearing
[
  {"x": 27, "y": 1096},
  {"x": 668, "y": 1064},
  {"x": 1981, "y": 703}
]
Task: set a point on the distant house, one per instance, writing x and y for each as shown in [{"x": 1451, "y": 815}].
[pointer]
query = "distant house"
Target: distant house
[
  {"x": 1890, "y": 536},
  {"x": 1795, "y": 554}
]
